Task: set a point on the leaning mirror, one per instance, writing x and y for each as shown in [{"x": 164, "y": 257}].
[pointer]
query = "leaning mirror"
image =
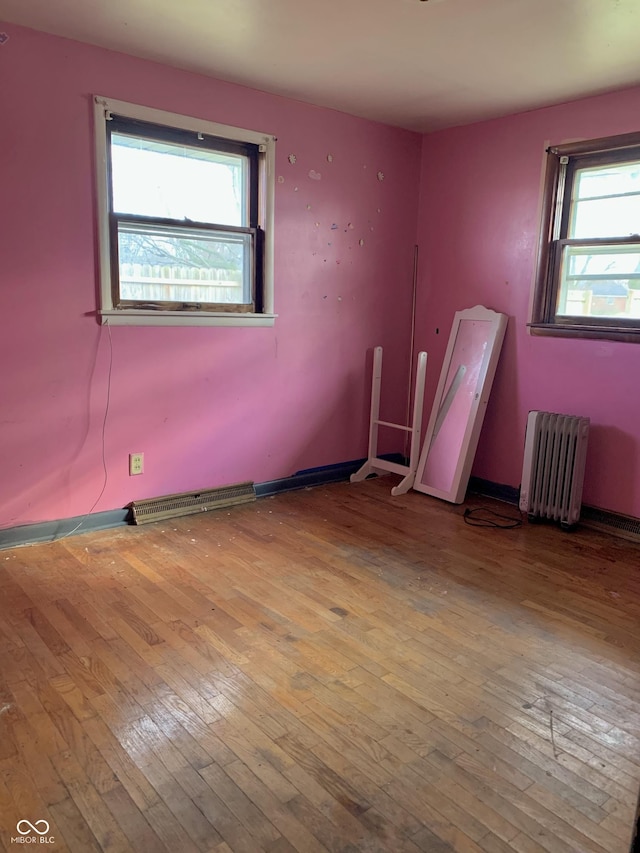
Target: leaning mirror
[{"x": 460, "y": 403}]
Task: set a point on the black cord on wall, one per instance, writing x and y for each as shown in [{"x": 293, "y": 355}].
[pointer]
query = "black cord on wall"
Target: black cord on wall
[{"x": 103, "y": 442}]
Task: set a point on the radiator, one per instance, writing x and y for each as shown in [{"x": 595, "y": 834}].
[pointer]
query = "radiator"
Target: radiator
[{"x": 555, "y": 452}]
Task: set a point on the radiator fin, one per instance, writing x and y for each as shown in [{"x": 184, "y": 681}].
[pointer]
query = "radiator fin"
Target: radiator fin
[
  {"x": 553, "y": 470},
  {"x": 188, "y": 503}
]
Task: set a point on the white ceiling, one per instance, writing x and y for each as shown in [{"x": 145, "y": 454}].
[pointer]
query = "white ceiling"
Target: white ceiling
[{"x": 420, "y": 64}]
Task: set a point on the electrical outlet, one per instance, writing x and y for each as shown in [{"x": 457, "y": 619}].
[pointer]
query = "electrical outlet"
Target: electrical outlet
[{"x": 136, "y": 464}]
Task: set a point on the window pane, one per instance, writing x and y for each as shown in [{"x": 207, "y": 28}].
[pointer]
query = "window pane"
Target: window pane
[
  {"x": 610, "y": 217},
  {"x": 606, "y": 201},
  {"x": 600, "y": 281},
  {"x": 614, "y": 179},
  {"x": 170, "y": 181},
  {"x": 184, "y": 265}
]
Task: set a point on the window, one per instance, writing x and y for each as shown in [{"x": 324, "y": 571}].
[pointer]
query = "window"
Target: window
[
  {"x": 185, "y": 219},
  {"x": 589, "y": 262}
]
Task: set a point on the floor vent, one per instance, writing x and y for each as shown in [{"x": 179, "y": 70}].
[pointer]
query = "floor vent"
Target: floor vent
[
  {"x": 625, "y": 526},
  {"x": 188, "y": 503}
]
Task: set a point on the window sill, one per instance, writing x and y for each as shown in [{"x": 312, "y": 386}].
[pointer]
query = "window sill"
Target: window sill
[
  {"x": 580, "y": 330},
  {"x": 183, "y": 318}
]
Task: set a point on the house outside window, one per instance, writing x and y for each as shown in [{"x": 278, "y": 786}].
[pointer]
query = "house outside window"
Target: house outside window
[
  {"x": 588, "y": 281},
  {"x": 185, "y": 219}
]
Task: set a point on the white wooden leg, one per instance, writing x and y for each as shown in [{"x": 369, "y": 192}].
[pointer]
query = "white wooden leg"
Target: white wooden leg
[
  {"x": 362, "y": 473},
  {"x": 376, "y": 465},
  {"x": 404, "y": 485}
]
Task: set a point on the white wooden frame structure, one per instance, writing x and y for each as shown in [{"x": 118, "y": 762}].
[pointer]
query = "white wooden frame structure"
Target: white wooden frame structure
[
  {"x": 376, "y": 465},
  {"x": 473, "y": 384}
]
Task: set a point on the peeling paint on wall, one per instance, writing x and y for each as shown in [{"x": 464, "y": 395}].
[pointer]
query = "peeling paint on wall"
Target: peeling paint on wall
[
  {"x": 381, "y": 176},
  {"x": 280, "y": 179},
  {"x": 315, "y": 176},
  {"x": 292, "y": 159},
  {"x": 329, "y": 158}
]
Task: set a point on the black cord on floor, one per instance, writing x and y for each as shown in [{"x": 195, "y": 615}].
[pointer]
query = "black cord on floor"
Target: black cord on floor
[{"x": 484, "y": 517}]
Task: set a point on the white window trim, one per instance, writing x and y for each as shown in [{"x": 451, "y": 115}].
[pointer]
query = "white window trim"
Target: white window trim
[{"x": 138, "y": 317}]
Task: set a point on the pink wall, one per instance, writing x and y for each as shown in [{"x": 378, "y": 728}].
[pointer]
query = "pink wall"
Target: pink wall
[
  {"x": 478, "y": 227},
  {"x": 220, "y": 405},
  {"x": 207, "y": 406}
]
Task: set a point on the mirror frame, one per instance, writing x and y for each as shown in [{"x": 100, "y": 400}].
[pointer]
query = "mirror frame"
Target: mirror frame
[{"x": 497, "y": 328}]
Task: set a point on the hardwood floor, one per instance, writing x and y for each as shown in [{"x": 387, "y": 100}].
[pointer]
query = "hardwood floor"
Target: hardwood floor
[{"x": 328, "y": 670}]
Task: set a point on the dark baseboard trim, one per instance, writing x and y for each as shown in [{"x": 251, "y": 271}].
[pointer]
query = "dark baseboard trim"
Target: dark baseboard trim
[
  {"x": 318, "y": 476},
  {"x": 49, "y": 531},
  {"x": 498, "y": 491}
]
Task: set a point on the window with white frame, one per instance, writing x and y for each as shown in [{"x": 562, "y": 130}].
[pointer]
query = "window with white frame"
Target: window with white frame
[
  {"x": 589, "y": 263},
  {"x": 185, "y": 219}
]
